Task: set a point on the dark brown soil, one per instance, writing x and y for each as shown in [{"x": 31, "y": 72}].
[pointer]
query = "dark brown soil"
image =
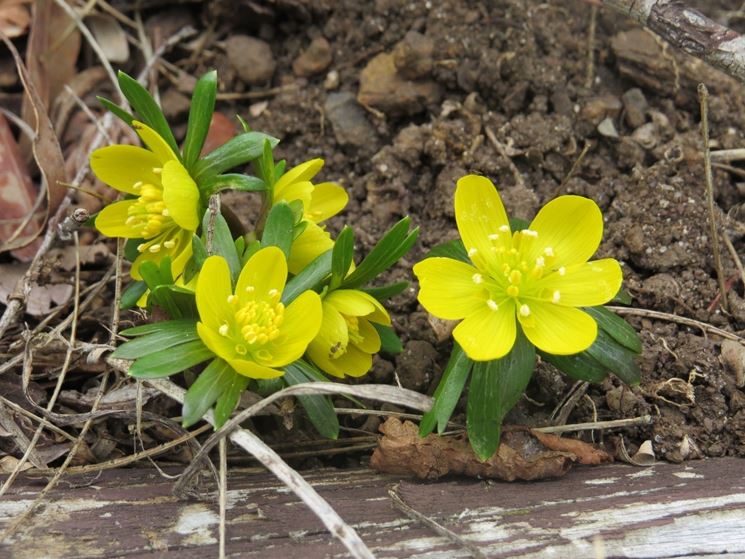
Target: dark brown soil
[{"x": 518, "y": 70}]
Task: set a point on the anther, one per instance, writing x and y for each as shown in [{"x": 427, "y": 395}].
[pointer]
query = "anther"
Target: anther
[
  {"x": 530, "y": 233},
  {"x": 154, "y": 248},
  {"x": 556, "y": 297},
  {"x": 504, "y": 228},
  {"x": 250, "y": 289},
  {"x": 273, "y": 292},
  {"x": 137, "y": 185},
  {"x": 141, "y": 247},
  {"x": 513, "y": 291},
  {"x": 515, "y": 277},
  {"x": 493, "y": 237},
  {"x": 524, "y": 310},
  {"x": 492, "y": 304},
  {"x": 477, "y": 278},
  {"x": 170, "y": 243},
  {"x": 165, "y": 213},
  {"x": 472, "y": 251},
  {"x": 548, "y": 251},
  {"x": 231, "y": 298},
  {"x": 157, "y": 170},
  {"x": 562, "y": 271},
  {"x": 540, "y": 262},
  {"x": 223, "y": 330}
]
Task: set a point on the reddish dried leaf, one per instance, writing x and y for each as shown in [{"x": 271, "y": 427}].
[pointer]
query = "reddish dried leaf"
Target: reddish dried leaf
[
  {"x": 221, "y": 130},
  {"x": 585, "y": 452},
  {"x": 17, "y": 195},
  {"x": 520, "y": 456}
]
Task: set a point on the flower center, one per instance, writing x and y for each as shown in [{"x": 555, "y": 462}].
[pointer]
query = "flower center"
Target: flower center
[
  {"x": 149, "y": 213},
  {"x": 257, "y": 323}
]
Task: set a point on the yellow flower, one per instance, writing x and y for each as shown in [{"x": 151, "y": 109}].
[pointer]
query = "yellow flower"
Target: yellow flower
[
  {"x": 250, "y": 328},
  {"x": 320, "y": 202},
  {"x": 347, "y": 339},
  {"x": 165, "y": 212},
  {"x": 539, "y": 275}
]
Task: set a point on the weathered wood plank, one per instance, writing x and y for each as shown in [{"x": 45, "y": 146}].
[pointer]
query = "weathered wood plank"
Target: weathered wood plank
[{"x": 667, "y": 510}]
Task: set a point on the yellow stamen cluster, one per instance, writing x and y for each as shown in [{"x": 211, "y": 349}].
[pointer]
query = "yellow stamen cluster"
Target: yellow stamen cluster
[
  {"x": 149, "y": 214},
  {"x": 258, "y": 322}
]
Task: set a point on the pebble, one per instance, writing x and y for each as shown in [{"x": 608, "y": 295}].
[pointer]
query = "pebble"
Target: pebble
[
  {"x": 332, "y": 81},
  {"x": 174, "y": 104},
  {"x": 647, "y": 135},
  {"x": 635, "y": 106},
  {"x": 251, "y": 58},
  {"x": 349, "y": 122},
  {"x": 413, "y": 56},
  {"x": 733, "y": 359},
  {"x": 607, "y": 129},
  {"x": 313, "y": 60},
  {"x": 382, "y": 88},
  {"x": 599, "y": 108}
]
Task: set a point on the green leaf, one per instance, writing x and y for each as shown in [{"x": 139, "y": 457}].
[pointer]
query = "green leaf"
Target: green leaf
[
  {"x": 279, "y": 228},
  {"x": 385, "y": 292},
  {"x": 342, "y": 256},
  {"x": 175, "y": 360},
  {"x": 394, "y": 244},
  {"x": 176, "y": 301},
  {"x": 199, "y": 251},
  {"x": 132, "y": 294},
  {"x": 147, "y": 109},
  {"x": 496, "y": 386},
  {"x": 266, "y": 164},
  {"x": 390, "y": 343},
  {"x": 155, "y": 327},
  {"x": 231, "y": 181},
  {"x": 123, "y": 115},
  {"x": 616, "y": 327},
  {"x": 308, "y": 278},
  {"x": 319, "y": 408},
  {"x": 616, "y": 358},
  {"x": 517, "y": 224},
  {"x": 267, "y": 386},
  {"x": 155, "y": 342},
  {"x": 451, "y": 249},
  {"x": 238, "y": 150},
  {"x": 130, "y": 249},
  {"x": 623, "y": 297},
  {"x": 243, "y": 123},
  {"x": 447, "y": 393},
  {"x": 229, "y": 399},
  {"x": 222, "y": 242},
  {"x": 580, "y": 366},
  {"x": 200, "y": 116},
  {"x": 150, "y": 272},
  {"x": 209, "y": 386}
]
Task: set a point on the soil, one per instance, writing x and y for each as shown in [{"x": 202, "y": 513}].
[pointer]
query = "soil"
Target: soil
[{"x": 400, "y": 98}]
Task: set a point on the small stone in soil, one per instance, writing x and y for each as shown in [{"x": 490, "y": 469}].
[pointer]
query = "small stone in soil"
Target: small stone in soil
[
  {"x": 413, "y": 56},
  {"x": 635, "y": 105},
  {"x": 349, "y": 122},
  {"x": 252, "y": 59},
  {"x": 313, "y": 60}
]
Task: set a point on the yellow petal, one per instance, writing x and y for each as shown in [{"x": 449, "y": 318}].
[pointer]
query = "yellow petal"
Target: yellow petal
[
  {"x": 181, "y": 195},
  {"x": 332, "y": 337},
  {"x": 354, "y": 362},
  {"x": 479, "y": 212},
  {"x": 264, "y": 272},
  {"x": 447, "y": 288},
  {"x": 350, "y": 302},
  {"x": 179, "y": 253},
  {"x": 311, "y": 243},
  {"x": 370, "y": 338},
  {"x": 301, "y": 323},
  {"x": 225, "y": 347},
  {"x": 571, "y": 226},
  {"x": 327, "y": 199},
  {"x": 121, "y": 167},
  {"x": 155, "y": 142},
  {"x": 300, "y": 173},
  {"x": 213, "y": 290},
  {"x": 584, "y": 285},
  {"x": 487, "y": 333},
  {"x": 558, "y": 330},
  {"x": 111, "y": 220},
  {"x": 295, "y": 191}
]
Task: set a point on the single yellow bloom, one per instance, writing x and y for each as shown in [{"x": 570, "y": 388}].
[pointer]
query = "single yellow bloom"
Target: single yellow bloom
[
  {"x": 320, "y": 202},
  {"x": 250, "y": 328},
  {"x": 347, "y": 340},
  {"x": 165, "y": 212},
  {"x": 539, "y": 275}
]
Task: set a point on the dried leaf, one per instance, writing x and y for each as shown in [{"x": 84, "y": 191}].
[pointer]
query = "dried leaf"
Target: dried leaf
[
  {"x": 42, "y": 297},
  {"x": 520, "y": 456},
  {"x": 8, "y": 465},
  {"x": 220, "y": 131},
  {"x": 14, "y": 17},
  {"x": 110, "y": 36},
  {"x": 17, "y": 194},
  {"x": 585, "y": 452}
]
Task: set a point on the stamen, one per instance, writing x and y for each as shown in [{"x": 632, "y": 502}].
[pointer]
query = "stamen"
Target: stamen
[
  {"x": 492, "y": 304},
  {"x": 273, "y": 293},
  {"x": 530, "y": 233},
  {"x": 250, "y": 289},
  {"x": 515, "y": 277},
  {"x": 231, "y": 298},
  {"x": 157, "y": 170},
  {"x": 504, "y": 228},
  {"x": 472, "y": 251},
  {"x": 524, "y": 310},
  {"x": 540, "y": 262},
  {"x": 477, "y": 278},
  {"x": 223, "y": 330},
  {"x": 556, "y": 297},
  {"x": 170, "y": 243},
  {"x": 141, "y": 247},
  {"x": 493, "y": 237},
  {"x": 240, "y": 349},
  {"x": 137, "y": 185},
  {"x": 513, "y": 291},
  {"x": 154, "y": 248},
  {"x": 165, "y": 213},
  {"x": 562, "y": 271},
  {"x": 548, "y": 251}
]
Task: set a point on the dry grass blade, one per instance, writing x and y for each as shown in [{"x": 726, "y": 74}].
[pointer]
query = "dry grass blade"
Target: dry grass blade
[
  {"x": 293, "y": 480},
  {"x": 703, "y": 326}
]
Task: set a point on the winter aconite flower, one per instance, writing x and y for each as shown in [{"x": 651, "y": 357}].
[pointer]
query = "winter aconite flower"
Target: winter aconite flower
[
  {"x": 347, "y": 339},
  {"x": 250, "y": 328},
  {"x": 320, "y": 202},
  {"x": 164, "y": 211},
  {"x": 537, "y": 276}
]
